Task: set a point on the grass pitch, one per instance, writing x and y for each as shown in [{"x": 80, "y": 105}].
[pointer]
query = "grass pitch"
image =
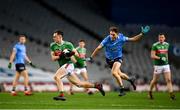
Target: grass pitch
[{"x": 132, "y": 100}]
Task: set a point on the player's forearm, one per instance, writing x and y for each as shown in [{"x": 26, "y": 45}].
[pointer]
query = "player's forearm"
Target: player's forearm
[
  {"x": 76, "y": 53},
  {"x": 28, "y": 60},
  {"x": 155, "y": 57},
  {"x": 54, "y": 58},
  {"x": 11, "y": 58},
  {"x": 95, "y": 52},
  {"x": 136, "y": 38},
  {"x": 73, "y": 59}
]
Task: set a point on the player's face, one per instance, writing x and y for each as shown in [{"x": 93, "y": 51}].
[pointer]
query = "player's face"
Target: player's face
[
  {"x": 57, "y": 38},
  {"x": 22, "y": 40},
  {"x": 81, "y": 44},
  {"x": 113, "y": 34},
  {"x": 161, "y": 38}
]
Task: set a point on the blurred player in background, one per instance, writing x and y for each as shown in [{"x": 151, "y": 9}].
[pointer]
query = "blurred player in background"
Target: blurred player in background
[
  {"x": 113, "y": 44},
  {"x": 64, "y": 52},
  {"x": 80, "y": 69},
  {"x": 19, "y": 54},
  {"x": 159, "y": 54}
]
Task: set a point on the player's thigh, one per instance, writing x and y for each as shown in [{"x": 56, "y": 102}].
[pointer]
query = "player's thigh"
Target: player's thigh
[
  {"x": 167, "y": 76},
  {"x": 60, "y": 72},
  {"x": 155, "y": 77},
  {"x": 84, "y": 74},
  {"x": 116, "y": 66},
  {"x": 121, "y": 73},
  {"x": 24, "y": 73},
  {"x": 74, "y": 79},
  {"x": 17, "y": 75}
]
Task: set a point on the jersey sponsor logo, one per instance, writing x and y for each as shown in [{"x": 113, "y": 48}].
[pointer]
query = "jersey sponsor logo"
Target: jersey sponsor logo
[
  {"x": 82, "y": 55},
  {"x": 164, "y": 51}
]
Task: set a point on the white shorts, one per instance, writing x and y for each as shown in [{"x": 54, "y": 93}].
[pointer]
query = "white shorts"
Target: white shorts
[
  {"x": 69, "y": 68},
  {"x": 161, "y": 69},
  {"x": 80, "y": 70}
]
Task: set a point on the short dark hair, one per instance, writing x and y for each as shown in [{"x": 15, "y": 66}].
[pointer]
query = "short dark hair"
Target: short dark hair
[
  {"x": 59, "y": 32},
  {"x": 82, "y": 40},
  {"x": 114, "y": 29},
  {"x": 161, "y": 34},
  {"x": 21, "y": 35}
]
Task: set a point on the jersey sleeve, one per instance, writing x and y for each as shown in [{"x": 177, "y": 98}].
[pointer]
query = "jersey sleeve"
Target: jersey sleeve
[
  {"x": 168, "y": 46},
  {"x": 153, "y": 47},
  {"x": 125, "y": 39},
  {"x": 15, "y": 48},
  {"x": 70, "y": 46},
  {"x": 103, "y": 43},
  {"x": 52, "y": 47}
]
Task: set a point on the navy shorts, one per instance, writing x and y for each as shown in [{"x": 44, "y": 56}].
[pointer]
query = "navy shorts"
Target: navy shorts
[
  {"x": 111, "y": 62},
  {"x": 20, "y": 67}
]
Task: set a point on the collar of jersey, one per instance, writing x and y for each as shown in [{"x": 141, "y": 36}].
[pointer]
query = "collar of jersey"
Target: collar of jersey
[
  {"x": 161, "y": 43},
  {"x": 80, "y": 47},
  {"x": 60, "y": 43},
  {"x": 20, "y": 43},
  {"x": 115, "y": 39}
]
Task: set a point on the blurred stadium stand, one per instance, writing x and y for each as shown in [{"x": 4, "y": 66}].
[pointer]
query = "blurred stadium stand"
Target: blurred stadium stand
[{"x": 38, "y": 20}]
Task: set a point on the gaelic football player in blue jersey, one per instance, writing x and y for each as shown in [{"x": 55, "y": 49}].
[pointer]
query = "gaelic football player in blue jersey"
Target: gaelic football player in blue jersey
[
  {"x": 19, "y": 55},
  {"x": 113, "y": 44}
]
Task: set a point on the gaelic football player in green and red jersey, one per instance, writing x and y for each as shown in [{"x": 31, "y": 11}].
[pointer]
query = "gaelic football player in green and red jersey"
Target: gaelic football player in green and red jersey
[
  {"x": 65, "y": 53},
  {"x": 159, "y": 54},
  {"x": 80, "y": 69}
]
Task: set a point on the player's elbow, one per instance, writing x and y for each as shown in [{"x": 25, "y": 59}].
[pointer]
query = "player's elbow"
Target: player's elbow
[
  {"x": 153, "y": 56},
  {"x": 136, "y": 39},
  {"x": 98, "y": 49},
  {"x": 53, "y": 59}
]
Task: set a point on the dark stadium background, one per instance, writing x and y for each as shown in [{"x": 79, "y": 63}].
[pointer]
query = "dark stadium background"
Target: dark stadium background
[{"x": 89, "y": 20}]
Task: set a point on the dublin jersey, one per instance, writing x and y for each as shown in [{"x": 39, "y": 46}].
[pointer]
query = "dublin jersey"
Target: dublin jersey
[
  {"x": 113, "y": 48},
  {"x": 161, "y": 50},
  {"x": 20, "y": 50}
]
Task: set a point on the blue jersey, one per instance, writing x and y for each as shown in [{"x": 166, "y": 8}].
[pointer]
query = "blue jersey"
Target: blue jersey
[
  {"x": 113, "y": 49},
  {"x": 20, "y": 50}
]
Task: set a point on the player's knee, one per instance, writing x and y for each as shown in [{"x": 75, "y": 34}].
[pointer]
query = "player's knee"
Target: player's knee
[
  {"x": 85, "y": 79},
  {"x": 114, "y": 73},
  {"x": 153, "y": 81},
  {"x": 55, "y": 77},
  {"x": 168, "y": 80}
]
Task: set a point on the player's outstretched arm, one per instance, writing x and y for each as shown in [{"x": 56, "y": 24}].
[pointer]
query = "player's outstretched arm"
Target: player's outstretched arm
[
  {"x": 96, "y": 51},
  {"x": 144, "y": 30},
  {"x": 12, "y": 56},
  {"x": 135, "y": 38}
]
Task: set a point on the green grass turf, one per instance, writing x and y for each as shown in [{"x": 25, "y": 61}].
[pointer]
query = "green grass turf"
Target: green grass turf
[{"x": 132, "y": 100}]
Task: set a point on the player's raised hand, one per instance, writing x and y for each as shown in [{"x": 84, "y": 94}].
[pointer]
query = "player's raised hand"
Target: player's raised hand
[
  {"x": 145, "y": 29},
  {"x": 10, "y": 65}
]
